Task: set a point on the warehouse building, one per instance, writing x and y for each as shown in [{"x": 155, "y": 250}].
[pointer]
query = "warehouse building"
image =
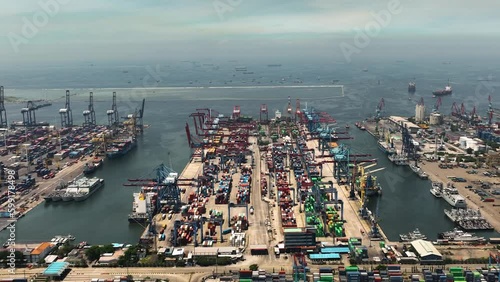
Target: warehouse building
[{"x": 426, "y": 251}]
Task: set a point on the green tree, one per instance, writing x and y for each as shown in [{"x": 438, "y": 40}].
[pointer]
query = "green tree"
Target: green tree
[
  {"x": 469, "y": 151},
  {"x": 254, "y": 267},
  {"x": 93, "y": 253}
]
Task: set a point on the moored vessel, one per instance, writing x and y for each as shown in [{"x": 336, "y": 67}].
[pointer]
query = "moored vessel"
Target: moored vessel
[
  {"x": 121, "y": 147},
  {"x": 412, "y": 236},
  {"x": 87, "y": 187},
  {"x": 452, "y": 197},
  {"x": 457, "y": 235}
]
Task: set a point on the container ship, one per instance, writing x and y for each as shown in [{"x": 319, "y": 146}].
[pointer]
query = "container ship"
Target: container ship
[{"x": 121, "y": 147}]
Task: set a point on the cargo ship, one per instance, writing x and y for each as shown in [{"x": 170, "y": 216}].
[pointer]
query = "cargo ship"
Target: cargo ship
[
  {"x": 142, "y": 207},
  {"x": 92, "y": 166},
  {"x": 121, "y": 147},
  {"x": 443, "y": 92}
]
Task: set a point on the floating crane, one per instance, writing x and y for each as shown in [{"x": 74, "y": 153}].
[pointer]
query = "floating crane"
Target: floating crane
[
  {"x": 3, "y": 113},
  {"x": 89, "y": 114},
  {"x": 66, "y": 114},
  {"x": 113, "y": 112}
]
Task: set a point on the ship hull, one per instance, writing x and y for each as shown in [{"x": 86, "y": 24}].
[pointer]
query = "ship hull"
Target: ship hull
[
  {"x": 436, "y": 194},
  {"x": 117, "y": 154},
  {"x": 92, "y": 191}
]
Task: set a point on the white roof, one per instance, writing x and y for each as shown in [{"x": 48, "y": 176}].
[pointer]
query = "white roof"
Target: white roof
[{"x": 425, "y": 248}]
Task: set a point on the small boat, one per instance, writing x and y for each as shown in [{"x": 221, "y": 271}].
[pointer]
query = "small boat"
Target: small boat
[{"x": 412, "y": 236}]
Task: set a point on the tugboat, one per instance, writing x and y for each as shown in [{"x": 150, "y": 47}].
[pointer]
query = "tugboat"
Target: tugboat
[
  {"x": 412, "y": 236},
  {"x": 443, "y": 92}
]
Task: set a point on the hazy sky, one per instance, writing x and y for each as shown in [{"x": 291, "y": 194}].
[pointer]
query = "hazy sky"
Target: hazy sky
[{"x": 114, "y": 30}]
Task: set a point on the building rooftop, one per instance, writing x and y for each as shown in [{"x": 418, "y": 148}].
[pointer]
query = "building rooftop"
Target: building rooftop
[
  {"x": 42, "y": 247},
  {"x": 425, "y": 248},
  {"x": 55, "y": 268}
]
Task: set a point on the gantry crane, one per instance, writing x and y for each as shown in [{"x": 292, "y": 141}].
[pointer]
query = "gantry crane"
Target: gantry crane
[
  {"x": 113, "y": 112},
  {"x": 29, "y": 116},
  {"x": 3, "y": 113},
  {"x": 264, "y": 114},
  {"x": 298, "y": 112},
  {"x": 66, "y": 114},
  {"x": 89, "y": 114}
]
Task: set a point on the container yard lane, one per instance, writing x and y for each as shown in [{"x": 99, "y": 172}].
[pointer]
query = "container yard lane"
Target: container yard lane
[{"x": 258, "y": 231}]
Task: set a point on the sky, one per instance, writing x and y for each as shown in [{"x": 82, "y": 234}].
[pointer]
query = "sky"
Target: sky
[{"x": 134, "y": 30}]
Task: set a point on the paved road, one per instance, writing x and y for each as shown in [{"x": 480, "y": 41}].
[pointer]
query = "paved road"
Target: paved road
[{"x": 187, "y": 274}]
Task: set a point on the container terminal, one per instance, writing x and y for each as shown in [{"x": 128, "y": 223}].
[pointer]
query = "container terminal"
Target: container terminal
[
  {"x": 263, "y": 188},
  {"x": 45, "y": 158},
  {"x": 274, "y": 191},
  {"x": 458, "y": 152}
]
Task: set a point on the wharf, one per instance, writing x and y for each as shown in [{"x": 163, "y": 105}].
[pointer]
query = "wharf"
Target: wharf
[
  {"x": 35, "y": 196},
  {"x": 355, "y": 225},
  {"x": 488, "y": 210}
]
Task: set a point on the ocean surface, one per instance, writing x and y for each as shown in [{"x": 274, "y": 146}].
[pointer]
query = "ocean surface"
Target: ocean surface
[{"x": 174, "y": 90}]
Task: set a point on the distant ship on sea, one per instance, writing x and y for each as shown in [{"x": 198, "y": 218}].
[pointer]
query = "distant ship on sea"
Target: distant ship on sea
[
  {"x": 412, "y": 87},
  {"x": 442, "y": 92}
]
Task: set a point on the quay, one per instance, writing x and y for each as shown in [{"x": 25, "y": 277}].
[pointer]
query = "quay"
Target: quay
[{"x": 440, "y": 161}]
